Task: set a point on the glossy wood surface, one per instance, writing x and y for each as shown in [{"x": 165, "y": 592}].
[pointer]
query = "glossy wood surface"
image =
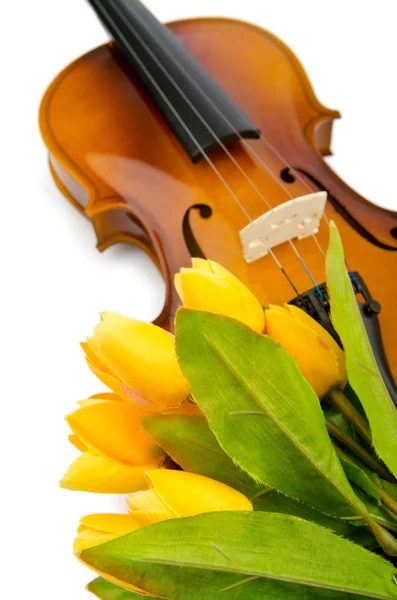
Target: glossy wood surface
[{"x": 115, "y": 158}]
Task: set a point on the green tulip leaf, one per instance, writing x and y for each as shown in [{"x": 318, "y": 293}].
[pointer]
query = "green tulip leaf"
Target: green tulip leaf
[
  {"x": 104, "y": 590},
  {"x": 356, "y": 531},
  {"x": 338, "y": 419},
  {"x": 243, "y": 555},
  {"x": 361, "y": 479},
  {"x": 190, "y": 443},
  {"x": 262, "y": 410},
  {"x": 363, "y": 373},
  {"x": 365, "y": 480}
]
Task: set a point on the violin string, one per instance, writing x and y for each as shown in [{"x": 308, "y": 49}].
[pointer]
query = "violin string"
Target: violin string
[
  {"x": 310, "y": 187},
  {"x": 244, "y": 142},
  {"x": 195, "y": 141},
  {"x": 247, "y": 144},
  {"x": 319, "y": 246},
  {"x": 212, "y": 132},
  {"x": 307, "y": 185}
]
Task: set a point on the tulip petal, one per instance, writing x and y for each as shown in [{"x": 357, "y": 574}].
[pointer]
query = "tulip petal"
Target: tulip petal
[
  {"x": 215, "y": 268},
  {"x": 219, "y": 270},
  {"x": 281, "y": 309},
  {"x": 147, "y": 508},
  {"x": 188, "y": 494},
  {"x": 203, "y": 264},
  {"x": 204, "y": 290},
  {"x": 86, "y": 538},
  {"x": 316, "y": 360},
  {"x": 114, "y": 430},
  {"x": 140, "y": 355},
  {"x": 121, "y": 391},
  {"x": 99, "y": 369},
  {"x": 144, "y": 500},
  {"x": 99, "y": 528},
  {"x": 77, "y": 443},
  {"x": 92, "y": 355},
  {"x": 109, "y": 380},
  {"x": 188, "y": 408},
  {"x": 301, "y": 315},
  {"x": 106, "y": 396},
  {"x": 93, "y": 473},
  {"x": 178, "y": 285},
  {"x": 135, "y": 397},
  {"x": 119, "y": 524}
]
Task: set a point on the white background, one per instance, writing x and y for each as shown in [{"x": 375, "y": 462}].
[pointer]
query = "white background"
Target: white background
[{"x": 54, "y": 282}]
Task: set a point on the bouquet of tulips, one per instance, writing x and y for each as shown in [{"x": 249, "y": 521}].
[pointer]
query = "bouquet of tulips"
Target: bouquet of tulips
[{"x": 259, "y": 458}]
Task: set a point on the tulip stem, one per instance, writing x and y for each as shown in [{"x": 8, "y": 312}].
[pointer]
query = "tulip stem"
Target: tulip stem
[
  {"x": 358, "y": 450},
  {"x": 389, "y": 503},
  {"x": 386, "y": 540},
  {"x": 351, "y": 414},
  {"x": 392, "y": 515}
]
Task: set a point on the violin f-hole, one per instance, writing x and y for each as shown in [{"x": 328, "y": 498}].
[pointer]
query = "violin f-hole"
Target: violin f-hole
[
  {"x": 194, "y": 248},
  {"x": 288, "y": 176}
]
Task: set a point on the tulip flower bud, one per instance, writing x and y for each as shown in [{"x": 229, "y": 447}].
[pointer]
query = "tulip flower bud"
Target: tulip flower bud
[
  {"x": 98, "y": 529},
  {"x": 116, "y": 449},
  {"x": 208, "y": 286},
  {"x": 138, "y": 362},
  {"x": 113, "y": 429},
  {"x": 172, "y": 494},
  {"x": 101, "y": 528},
  {"x": 93, "y": 473},
  {"x": 180, "y": 494},
  {"x": 318, "y": 356}
]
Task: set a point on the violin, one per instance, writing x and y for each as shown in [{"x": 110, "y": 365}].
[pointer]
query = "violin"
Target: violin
[{"x": 204, "y": 137}]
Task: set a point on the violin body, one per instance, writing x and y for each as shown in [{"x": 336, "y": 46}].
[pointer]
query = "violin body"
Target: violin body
[{"x": 114, "y": 156}]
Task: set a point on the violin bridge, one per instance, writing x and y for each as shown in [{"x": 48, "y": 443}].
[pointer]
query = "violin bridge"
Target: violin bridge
[{"x": 297, "y": 218}]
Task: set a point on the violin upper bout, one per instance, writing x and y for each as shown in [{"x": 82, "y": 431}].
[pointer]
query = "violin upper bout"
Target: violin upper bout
[{"x": 316, "y": 118}]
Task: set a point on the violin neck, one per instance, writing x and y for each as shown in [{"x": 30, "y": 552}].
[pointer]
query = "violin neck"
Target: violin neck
[{"x": 197, "y": 110}]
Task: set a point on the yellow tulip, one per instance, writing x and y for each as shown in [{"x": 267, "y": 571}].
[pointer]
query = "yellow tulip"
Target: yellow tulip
[
  {"x": 318, "y": 356},
  {"x": 208, "y": 286},
  {"x": 93, "y": 473},
  {"x": 181, "y": 494},
  {"x": 173, "y": 494},
  {"x": 113, "y": 429},
  {"x": 116, "y": 449},
  {"x": 138, "y": 362},
  {"x": 97, "y": 529},
  {"x": 99, "y": 398},
  {"x": 101, "y": 528}
]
